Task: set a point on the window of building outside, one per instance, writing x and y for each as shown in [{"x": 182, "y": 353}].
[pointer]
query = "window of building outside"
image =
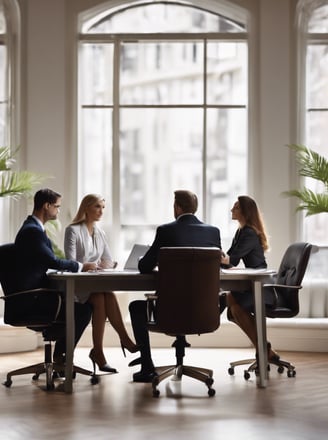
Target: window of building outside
[
  {"x": 162, "y": 106},
  {"x": 316, "y": 227}
]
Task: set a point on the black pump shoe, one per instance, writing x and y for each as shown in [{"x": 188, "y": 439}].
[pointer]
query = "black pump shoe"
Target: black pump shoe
[
  {"x": 134, "y": 362},
  {"x": 107, "y": 368}
]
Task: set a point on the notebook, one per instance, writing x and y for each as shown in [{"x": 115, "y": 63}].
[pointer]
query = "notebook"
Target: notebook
[{"x": 136, "y": 253}]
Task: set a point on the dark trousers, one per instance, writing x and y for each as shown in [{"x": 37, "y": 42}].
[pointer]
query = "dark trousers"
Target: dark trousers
[
  {"x": 82, "y": 314},
  {"x": 139, "y": 319}
]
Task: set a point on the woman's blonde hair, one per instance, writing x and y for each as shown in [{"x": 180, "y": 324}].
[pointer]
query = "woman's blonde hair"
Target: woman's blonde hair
[
  {"x": 87, "y": 201},
  {"x": 253, "y": 218}
]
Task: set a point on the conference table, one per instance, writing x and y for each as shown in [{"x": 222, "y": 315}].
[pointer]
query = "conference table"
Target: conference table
[{"x": 127, "y": 281}]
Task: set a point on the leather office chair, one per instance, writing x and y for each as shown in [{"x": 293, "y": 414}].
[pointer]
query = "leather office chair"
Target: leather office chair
[
  {"x": 186, "y": 303},
  {"x": 285, "y": 288},
  {"x": 38, "y": 310}
]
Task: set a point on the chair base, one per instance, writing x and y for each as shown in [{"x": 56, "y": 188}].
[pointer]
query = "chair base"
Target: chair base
[
  {"x": 177, "y": 371},
  {"x": 253, "y": 367},
  {"x": 52, "y": 370}
]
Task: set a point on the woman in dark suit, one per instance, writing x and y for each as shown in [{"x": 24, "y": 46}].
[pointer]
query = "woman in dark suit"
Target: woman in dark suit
[{"x": 249, "y": 244}]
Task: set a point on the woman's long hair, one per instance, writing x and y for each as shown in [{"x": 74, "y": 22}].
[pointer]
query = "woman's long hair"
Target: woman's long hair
[
  {"x": 253, "y": 218},
  {"x": 87, "y": 201}
]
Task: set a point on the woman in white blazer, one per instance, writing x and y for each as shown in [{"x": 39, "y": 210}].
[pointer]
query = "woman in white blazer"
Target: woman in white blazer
[{"x": 86, "y": 242}]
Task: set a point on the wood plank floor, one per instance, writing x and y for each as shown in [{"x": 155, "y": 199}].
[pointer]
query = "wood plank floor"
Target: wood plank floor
[{"x": 289, "y": 408}]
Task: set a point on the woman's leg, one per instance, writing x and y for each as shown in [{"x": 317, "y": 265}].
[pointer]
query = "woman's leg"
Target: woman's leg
[
  {"x": 97, "y": 300},
  {"x": 242, "y": 318},
  {"x": 246, "y": 321},
  {"x": 114, "y": 315}
]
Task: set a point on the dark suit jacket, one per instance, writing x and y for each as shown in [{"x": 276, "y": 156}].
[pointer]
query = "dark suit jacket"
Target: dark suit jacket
[
  {"x": 246, "y": 246},
  {"x": 186, "y": 231},
  {"x": 35, "y": 256}
]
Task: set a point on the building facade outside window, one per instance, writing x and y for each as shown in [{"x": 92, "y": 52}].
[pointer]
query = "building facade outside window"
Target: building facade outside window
[{"x": 163, "y": 105}]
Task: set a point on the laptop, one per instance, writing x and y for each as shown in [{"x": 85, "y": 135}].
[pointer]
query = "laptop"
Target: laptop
[{"x": 136, "y": 253}]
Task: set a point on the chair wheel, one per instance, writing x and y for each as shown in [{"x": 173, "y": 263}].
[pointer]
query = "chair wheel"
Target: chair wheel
[
  {"x": 156, "y": 393},
  {"x": 231, "y": 371},
  {"x": 8, "y": 383},
  {"x": 211, "y": 392},
  {"x": 280, "y": 369},
  {"x": 35, "y": 377},
  {"x": 246, "y": 375},
  {"x": 291, "y": 373},
  {"x": 94, "y": 380}
]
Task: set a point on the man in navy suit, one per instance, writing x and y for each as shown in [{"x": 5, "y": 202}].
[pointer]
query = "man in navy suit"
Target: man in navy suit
[
  {"x": 186, "y": 230},
  {"x": 35, "y": 256}
]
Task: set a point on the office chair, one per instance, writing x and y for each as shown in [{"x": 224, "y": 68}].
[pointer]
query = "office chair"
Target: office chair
[
  {"x": 186, "y": 302},
  {"x": 286, "y": 286},
  {"x": 23, "y": 309}
]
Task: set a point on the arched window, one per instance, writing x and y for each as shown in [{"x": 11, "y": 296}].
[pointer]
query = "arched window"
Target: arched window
[
  {"x": 313, "y": 102},
  {"x": 162, "y": 105},
  {"x": 9, "y": 53}
]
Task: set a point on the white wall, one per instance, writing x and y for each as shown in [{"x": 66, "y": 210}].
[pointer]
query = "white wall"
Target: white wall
[{"x": 49, "y": 91}]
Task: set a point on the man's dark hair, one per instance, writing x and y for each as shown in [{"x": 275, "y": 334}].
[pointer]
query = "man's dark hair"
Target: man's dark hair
[
  {"x": 43, "y": 196},
  {"x": 187, "y": 200}
]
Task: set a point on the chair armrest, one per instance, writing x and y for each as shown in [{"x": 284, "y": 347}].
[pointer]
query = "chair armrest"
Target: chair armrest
[
  {"x": 151, "y": 296},
  {"x": 30, "y": 291},
  {"x": 282, "y": 286}
]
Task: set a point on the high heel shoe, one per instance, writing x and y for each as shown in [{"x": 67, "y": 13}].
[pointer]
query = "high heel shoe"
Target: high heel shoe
[
  {"x": 133, "y": 348},
  {"x": 105, "y": 367}
]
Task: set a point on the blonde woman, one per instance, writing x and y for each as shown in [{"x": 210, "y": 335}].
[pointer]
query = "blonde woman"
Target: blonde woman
[{"x": 86, "y": 242}]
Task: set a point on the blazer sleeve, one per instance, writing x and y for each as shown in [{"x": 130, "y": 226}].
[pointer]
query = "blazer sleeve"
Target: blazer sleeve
[
  {"x": 70, "y": 243},
  {"x": 150, "y": 260},
  {"x": 33, "y": 244},
  {"x": 244, "y": 246}
]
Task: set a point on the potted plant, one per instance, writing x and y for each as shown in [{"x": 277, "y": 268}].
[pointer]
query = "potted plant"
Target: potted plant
[
  {"x": 15, "y": 183},
  {"x": 313, "y": 165}
]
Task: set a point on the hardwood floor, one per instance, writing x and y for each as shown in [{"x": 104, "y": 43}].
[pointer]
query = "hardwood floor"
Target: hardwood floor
[{"x": 289, "y": 408}]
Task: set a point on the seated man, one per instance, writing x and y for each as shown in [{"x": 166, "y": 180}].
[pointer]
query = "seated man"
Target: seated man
[
  {"x": 186, "y": 230},
  {"x": 36, "y": 256}
]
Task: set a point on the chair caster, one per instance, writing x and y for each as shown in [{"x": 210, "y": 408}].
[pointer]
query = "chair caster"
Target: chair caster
[
  {"x": 94, "y": 380},
  {"x": 211, "y": 392},
  {"x": 231, "y": 371},
  {"x": 156, "y": 393},
  {"x": 246, "y": 375},
  {"x": 35, "y": 377},
  {"x": 8, "y": 383},
  {"x": 280, "y": 369},
  {"x": 291, "y": 373}
]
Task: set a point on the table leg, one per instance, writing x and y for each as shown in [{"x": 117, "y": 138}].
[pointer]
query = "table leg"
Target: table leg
[
  {"x": 261, "y": 333},
  {"x": 70, "y": 336}
]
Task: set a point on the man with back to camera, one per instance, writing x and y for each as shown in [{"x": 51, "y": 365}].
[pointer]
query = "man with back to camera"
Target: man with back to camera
[
  {"x": 186, "y": 230},
  {"x": 35, "y": 256}
]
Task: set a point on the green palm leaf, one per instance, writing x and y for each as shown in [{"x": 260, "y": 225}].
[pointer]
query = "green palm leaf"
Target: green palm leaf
[
  {"x": 314, "y": 166},
  {"x": 16, "y": 183}
]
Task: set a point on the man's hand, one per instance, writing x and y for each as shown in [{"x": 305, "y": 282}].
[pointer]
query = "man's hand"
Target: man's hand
[{"x": 89, "y": 266}]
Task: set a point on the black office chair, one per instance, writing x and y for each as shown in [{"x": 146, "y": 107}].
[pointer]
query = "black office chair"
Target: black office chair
[
  {"x": 186, "y": 303},
  {"x": 38, "y": 310},
  {"x": 285, "y": 288}
]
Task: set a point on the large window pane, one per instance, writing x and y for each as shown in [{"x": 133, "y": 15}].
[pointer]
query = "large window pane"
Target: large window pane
[
  {"x": 162, "y": 73},
  {"x": 161, "y": 150},
  {"x": 95, "y": 164},
  {"x": 319, "y": 20},
  {"x": 96, "y": 67},
  {"x": 226, "y": 165},
  {"x": 317, "y": 74},
  {"x": 3, "y": 96},
  {"x": 162, "y": 18},
  {"x": 226, "y": 73}
]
